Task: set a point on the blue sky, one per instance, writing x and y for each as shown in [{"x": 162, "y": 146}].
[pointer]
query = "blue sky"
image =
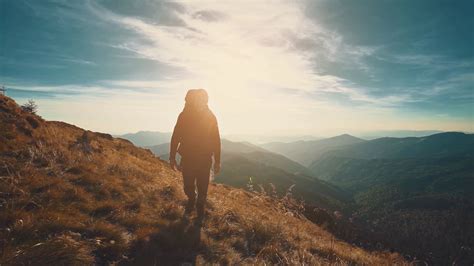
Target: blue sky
[{"x": 271, "y": 67}]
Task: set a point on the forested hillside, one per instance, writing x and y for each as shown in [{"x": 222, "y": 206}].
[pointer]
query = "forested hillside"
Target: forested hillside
[{"x": 417, "y": 193}]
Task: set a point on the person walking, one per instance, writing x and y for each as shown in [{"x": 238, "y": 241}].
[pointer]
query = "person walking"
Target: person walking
[{"x": 196, "y": 139}]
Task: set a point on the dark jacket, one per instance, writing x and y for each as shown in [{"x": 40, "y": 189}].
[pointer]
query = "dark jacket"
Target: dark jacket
[{"x": 196, "y": 134}]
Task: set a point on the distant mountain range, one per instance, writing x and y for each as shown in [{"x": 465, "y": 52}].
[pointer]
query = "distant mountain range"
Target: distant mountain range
[
  {"x": 440, "y": 163},
  {"x": 306, "y": 152},
  {"x": 259, "y": 139},
  {"x": 147, "y": 138},
  {"x": 423, "y": 183},
  {"x": 257, "y": 154},
  {"x": 245, "y": 164},
  {"x": 251, "y": 152},
  {"x": 437, "y": 145},
  {"x": 152, "y": 138},
  {"x": 398, "y": 133}
]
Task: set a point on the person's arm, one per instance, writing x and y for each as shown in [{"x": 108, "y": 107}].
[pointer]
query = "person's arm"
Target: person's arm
[
  {"x": 216, "y": 139},
  {"x": 175, "y": 140}
]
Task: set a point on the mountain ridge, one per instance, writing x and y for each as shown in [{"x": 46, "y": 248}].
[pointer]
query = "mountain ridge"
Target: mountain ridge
[
  {"x": 244, "y": 163},
  {"x": 145, "y": 138},
  {"x": 422, "y": 183},
  {"x": 251, "y": 150},
  {"x": 436, "y": 145},
  {"x": 305, "y": 152}
]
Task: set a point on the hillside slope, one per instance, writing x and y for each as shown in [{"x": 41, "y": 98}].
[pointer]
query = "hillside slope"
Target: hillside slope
[{"x": 75, "y": 197}]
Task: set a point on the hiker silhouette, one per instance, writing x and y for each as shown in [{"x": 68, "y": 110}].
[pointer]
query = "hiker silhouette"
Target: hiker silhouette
[{"x": 196, "y": 139}]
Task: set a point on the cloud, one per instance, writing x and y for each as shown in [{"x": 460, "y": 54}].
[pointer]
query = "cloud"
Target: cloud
[
  {"x": 268, "y": 65},
  {"x": 242, "y": 47},
  {"x": 268, "y": 59},
  {"x": 208, "y": 15}
]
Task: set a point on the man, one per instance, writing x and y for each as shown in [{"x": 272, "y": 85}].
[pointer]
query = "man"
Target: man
[{"x": 196, "y": 138}]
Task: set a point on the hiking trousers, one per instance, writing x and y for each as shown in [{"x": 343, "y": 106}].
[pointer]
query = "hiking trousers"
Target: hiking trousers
[{"x": 196, "y": 174}]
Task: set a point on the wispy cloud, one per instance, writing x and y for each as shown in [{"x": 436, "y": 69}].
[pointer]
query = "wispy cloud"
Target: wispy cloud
[
  {"x": 268, "y": 65},
  {"x": 243, "y": 47}
]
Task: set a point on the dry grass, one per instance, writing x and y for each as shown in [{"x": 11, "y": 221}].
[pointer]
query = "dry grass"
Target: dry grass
[{"x": 74, "y": 197}]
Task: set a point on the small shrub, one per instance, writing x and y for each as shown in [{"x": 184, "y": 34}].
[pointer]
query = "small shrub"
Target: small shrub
[{"x": 30, "y": 107}]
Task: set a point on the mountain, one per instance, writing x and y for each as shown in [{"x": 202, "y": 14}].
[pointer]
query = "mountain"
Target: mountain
[
  {"x": 305, "y": 152},
  {"x": 244, "y": 164},
  {"x": 440, "y": 163},
  {"x": 161, "y": 150},
  {"x": 398, "y": 133},
  {"x": 423, "y": 183},
  {"x": 240, "y": 147},
  {"x": 265, "y": 138},
  {"x": 261, "y": 156},
  {"x": 251, "y": 151},
  {"x": 437, "y": 145},
  {"x": 75, "y": 197},
  {"x": 147, "y": 138},
  {"x": 243, "y": 171},
  {"x": 453, "y": 174},
  {"x": 242, "y": 161}
]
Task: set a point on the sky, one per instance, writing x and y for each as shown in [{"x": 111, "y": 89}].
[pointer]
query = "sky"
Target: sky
[{"x": 270, "y": 67}]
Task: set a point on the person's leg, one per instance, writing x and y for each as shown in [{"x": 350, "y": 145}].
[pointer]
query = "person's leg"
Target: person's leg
[
  {"x": 189, "y": 185},
  {"x": 202, "y": 183}
]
